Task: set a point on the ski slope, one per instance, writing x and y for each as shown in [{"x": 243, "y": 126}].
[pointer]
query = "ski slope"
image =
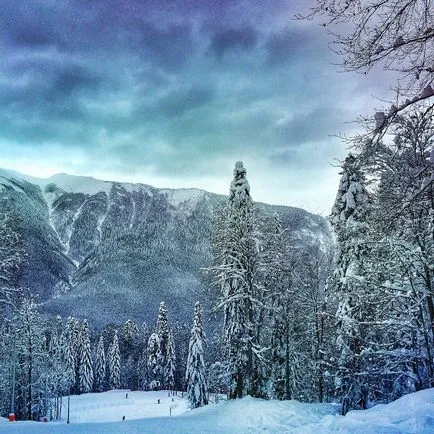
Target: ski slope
[{"x": 102, "y": 413}]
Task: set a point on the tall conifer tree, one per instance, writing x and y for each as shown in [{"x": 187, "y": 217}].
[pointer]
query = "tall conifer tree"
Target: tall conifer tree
[
  {"x": 100, "y": 366},
  {"x": 195, "y": 376},
  {"x": 350, "y": 223},
  {"x": 85, "y": 369},
  {"x": 114, "y": 364},
  {"x": 235, "y": 248}
]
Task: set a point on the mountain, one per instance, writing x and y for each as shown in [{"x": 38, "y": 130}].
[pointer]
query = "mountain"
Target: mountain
[{"x": 110, "y": 251}]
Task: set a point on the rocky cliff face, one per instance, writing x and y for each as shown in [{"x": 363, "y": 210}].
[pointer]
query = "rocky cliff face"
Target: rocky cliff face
[{"x": 110, "y": 251}]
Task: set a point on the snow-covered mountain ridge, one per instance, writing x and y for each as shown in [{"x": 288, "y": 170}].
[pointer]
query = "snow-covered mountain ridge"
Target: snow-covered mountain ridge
[{"x": 109, "y": 251}]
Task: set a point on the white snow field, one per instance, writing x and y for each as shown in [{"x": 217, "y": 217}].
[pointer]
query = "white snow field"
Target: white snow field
[{"x": 103, "y": 412}]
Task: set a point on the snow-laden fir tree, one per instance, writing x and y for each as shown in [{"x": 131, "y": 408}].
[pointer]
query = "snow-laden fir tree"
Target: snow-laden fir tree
[
  {"x": 86, "y": 369},
  {"x": 130, "y": 333},
  {"x": 195, "y": 376},
  {"x": 142, "y": 362},
  {"x": 349, "y": 219},
  {"x": 170, "y": 367},
  {"x": 58, "y": 378},
  {"x": 280, "y": 301},
  {"x": 237, "y": 264},
  {"x": 12, "y": 255},
  {"x": 73, "y": 341},
  {"x": 130, "y": 353},
  {"x": 154, "y": 362},
  {"x": 108, "y": 358},
  {"x": 7, "y": 358},
  {"x": 69, "y": 354},
  {"x": 163, "y": 331},
  {"x": 142, "y": 370},
  {"x": 31, "y": 361},
  {"x": 100, "y": 366},
  {"x": 114, "y": 364},
  {"x": 54, "y": 369}
]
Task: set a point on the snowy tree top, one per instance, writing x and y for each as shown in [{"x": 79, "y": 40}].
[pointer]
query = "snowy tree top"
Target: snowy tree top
[
  {"x": 352, "y": 195},
  {"x": 240, "y": 189}
]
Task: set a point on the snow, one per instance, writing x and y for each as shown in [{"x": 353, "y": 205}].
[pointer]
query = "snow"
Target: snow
[
  {"x": 181, "y": 195},
  {"x": 100, "y": 223},
  {"x": 427, "y": 92},
  {"x": 82, "y": 184},
  {"x": 5, "y": 182},
  {"x": 71, "y": 228},
  {"x": 91, "y": 186},
  {"x": 102, "y": 413},
  {"x": 112, "y": 406},
  {"x": 10, "y": 174}
]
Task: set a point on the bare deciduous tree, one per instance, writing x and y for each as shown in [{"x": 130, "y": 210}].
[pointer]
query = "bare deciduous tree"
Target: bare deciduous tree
[{"x": 395, "y": 35}]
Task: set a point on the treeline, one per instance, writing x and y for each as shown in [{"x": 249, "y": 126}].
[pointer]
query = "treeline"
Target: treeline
[{"x": 45, "y": 360}]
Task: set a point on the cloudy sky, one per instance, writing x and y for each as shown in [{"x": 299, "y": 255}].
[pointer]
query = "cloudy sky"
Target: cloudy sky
[{"x": 172, "y": 92}]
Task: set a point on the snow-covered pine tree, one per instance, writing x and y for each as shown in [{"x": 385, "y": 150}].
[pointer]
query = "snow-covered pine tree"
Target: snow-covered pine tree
[
  {"x": 69, "y": 354},
  {"x": 100, "y": 366},
  {"x": 236, "y": 258},
  {"x": 142, "y": 362},
  {"x": 12, "y": 255},
  {"x": 130, "y": 353},
  {"x": 130, "y": 333},
  {"x": 195, "y": 376},
  {"x": 55, "y": 373},
  {"x": 73, "y": 331},
  {"x": 85, "y": 369},
  {"x": 162, "y": 329},
  {"x": 170, "y": 367},
  {"x": 154, "y": 362},
  {"x": 8, "y": 359},
  {"x": 142, "y": 370},
  {"x": 32, "y": 358},
  {"x": 181, "y": 333},
  {"x": 114, "y": 364},
  {"x": 108, "y": 358},
  {"x": 349, "y": 219},
  {"x": 280, "y": 302}
]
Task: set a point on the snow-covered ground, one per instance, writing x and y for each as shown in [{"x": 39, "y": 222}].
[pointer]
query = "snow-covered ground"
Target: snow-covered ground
[{"x": 102, "y": 413}]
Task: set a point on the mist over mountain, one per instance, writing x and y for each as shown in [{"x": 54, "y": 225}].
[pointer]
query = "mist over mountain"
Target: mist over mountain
[{"x": 111, "y": 251}]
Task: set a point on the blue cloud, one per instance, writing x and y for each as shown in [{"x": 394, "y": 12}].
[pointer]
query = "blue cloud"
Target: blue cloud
[{"x": 244, "y": 38}]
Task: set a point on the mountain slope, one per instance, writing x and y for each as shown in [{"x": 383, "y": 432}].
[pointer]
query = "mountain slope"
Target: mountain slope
[{"x": 109, "y": 251}]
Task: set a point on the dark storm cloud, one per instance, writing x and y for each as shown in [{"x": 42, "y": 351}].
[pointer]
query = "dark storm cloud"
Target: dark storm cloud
[
  {"x": 75, "y": 78},
  {"x": 244, "y": 38},
  {"x": 290, "y": 44},
  {"x": 169, "y": 48},
  {"x": 180, "y": 102},
  {"x": 33, "y": 36},
  {"x": 45, "y": 91},
  {"x": 169, "y": 86},
  {"x": 30, "y": 25}
]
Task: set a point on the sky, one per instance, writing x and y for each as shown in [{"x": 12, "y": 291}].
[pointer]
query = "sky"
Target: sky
[{"x": 171, "y": 93}]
